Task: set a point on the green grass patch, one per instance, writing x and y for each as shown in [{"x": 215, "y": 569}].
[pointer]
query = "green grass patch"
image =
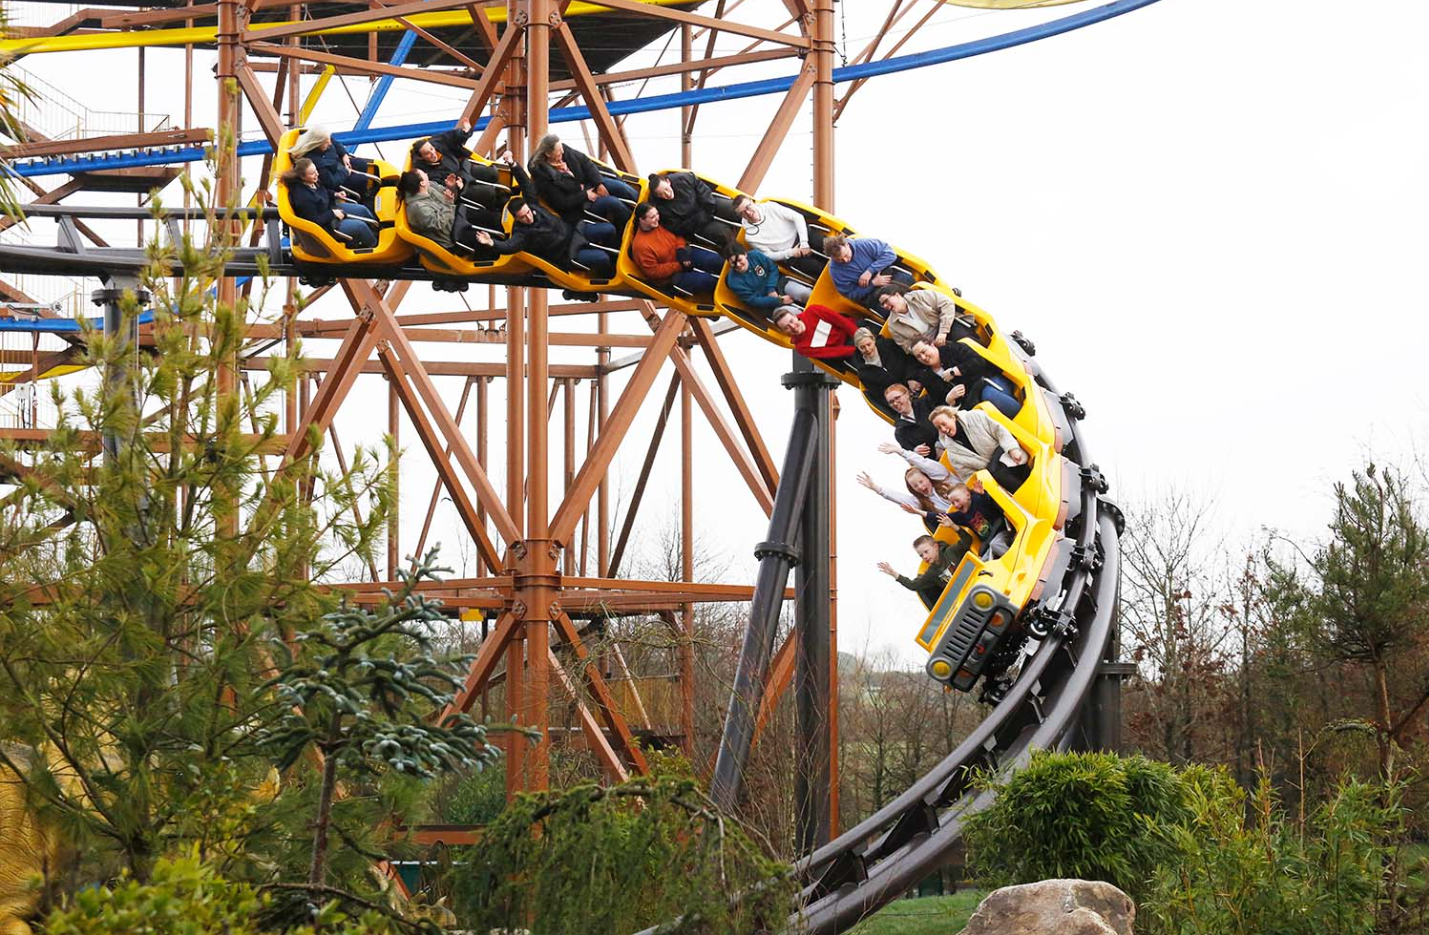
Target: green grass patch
[{"x": 929, "y": 915}]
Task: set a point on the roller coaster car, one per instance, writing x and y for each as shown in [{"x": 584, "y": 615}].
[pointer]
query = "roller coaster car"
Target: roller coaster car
[
  {"x": 757, "y": 320},
  {"x": 513, "y": 268},
  {"x": 980, "y": 607},
  {"x": 522, "y": 268},
  {"x": 699, "y": 305},
  {"x": 581, "y": 279},
  {"x": 310, "y": 243}
]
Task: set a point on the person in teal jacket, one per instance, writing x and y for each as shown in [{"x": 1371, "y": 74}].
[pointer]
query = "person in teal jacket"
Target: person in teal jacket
[{"x": 759, "y": 283}]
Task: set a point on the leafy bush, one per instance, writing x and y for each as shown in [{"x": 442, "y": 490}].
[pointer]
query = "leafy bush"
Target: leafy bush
[
  {"x": 612, "y": 861},
  {"x": 1333, "y": 876},
  {"x": 1092, "y": 816},
  {"x": 187, "y": 897},
  {"x": 1197, "y": 855}
]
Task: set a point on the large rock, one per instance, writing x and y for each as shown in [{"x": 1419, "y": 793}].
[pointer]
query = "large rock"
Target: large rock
[{"x": 1054, "y": 907}]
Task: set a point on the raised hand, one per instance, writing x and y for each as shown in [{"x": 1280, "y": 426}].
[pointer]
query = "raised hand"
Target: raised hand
[
  {"x": 888, "y": 569},
  {"x": 867, "y": 481},
  {"x": 945, "y": 520},
  {"x": 889, "y": 448}
]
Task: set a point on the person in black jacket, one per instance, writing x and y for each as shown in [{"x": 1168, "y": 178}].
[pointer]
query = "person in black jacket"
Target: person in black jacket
[
  {"x": 447, "y": 162},
  {"x": 537, "y": 231},
  {"x": 312, "y": 202},
  {"x": 911, "y": 427},
  {"x": 879, "y": 361},
  {"x": 688, "y": 207},
  {"x": 941, "y": 557},
  {"x": 336, "y": 167},
  {"x": 570, "y": 182},
  {"x": 960, "y": 376}
]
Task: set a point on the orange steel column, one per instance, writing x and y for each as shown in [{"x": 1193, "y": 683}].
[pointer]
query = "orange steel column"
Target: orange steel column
[
  {"x": 513, "y": 105},
  {"x": 823, "y": 41},
  {"x": 537, "y": 582}
]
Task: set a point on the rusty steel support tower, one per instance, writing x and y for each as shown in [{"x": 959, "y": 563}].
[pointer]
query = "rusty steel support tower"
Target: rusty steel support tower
[{"x": 536, "y": 578}]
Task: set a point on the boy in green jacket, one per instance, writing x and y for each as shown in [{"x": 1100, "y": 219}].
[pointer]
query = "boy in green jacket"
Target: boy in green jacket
[{"x": 942, "y": 558}]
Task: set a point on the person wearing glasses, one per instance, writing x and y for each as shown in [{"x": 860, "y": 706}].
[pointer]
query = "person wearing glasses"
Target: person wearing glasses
[
  {"x": 911, "y": 426},
  {"x": 778, "y": 232}
]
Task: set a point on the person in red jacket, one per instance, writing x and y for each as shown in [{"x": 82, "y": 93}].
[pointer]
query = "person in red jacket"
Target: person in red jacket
[{"x": 819, "y": 333}]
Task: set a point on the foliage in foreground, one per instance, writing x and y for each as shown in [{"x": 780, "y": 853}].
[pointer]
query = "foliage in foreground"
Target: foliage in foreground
[
  {"x": 1338, "y": 873},
  {"x": 187, "y": 897},
  {"x": 1092, "y": 816},
  {"x": 1197, "y": 860},
  {"x": 616, "y": 860}
]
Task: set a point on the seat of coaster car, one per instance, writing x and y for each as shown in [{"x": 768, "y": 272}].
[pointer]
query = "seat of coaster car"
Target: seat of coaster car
[{"x": 314, "y": 244}]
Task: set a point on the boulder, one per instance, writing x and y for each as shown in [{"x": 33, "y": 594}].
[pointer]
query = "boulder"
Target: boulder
[{"x": 1054, "y": 907}]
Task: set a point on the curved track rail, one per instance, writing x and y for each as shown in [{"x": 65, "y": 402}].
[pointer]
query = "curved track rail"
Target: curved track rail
[{"x": 886, "y": 854}]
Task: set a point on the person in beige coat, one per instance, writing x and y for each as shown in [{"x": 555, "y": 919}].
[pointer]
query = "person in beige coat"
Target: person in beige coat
[
  {"x": 923, "y": 315},
  {"x": 971, "y": 440}
]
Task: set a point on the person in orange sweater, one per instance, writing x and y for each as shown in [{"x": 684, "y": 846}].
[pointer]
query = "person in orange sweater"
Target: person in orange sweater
[
  {"x": 819, "y": 333},
  {"x": 667, "y": 260}
]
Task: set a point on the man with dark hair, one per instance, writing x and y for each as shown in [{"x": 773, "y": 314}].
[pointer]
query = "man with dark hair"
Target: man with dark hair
[
  {"x": 665, "y": 259},
  {"x": 479, "y": 195},
  {"x": 859, "y": 266},
  {"x": 688, "y": 207},
  {"x": 961, "y": 377},
  {"x": 940, "y": 557},
  {"x": 536, "y": 231},
  {"x": 756, "y": 279}
]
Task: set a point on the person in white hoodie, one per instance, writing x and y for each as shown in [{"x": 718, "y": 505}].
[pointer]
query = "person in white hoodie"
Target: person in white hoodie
[
  {"x": 779, "y": 233},
  {"x": 971, "y": 440}
]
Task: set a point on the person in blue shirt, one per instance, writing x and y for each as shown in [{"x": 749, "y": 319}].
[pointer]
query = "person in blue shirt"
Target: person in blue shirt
[
  {"x": 756, "y": 279},
  {"x": 860, "y": 266}
]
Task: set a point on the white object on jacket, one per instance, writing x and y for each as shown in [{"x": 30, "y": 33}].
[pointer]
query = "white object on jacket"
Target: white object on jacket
[
  {"x": 986, "y": 435},
  {"x": 781, "y": 231}
]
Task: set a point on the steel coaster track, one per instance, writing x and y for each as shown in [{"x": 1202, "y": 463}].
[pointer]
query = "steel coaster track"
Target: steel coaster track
[
  {"x": 889, "y": 852},
  {"x": 873, "y": 863}
]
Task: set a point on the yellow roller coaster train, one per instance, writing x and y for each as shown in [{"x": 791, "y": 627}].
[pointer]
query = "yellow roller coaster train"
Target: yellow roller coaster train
[{"x": 989, "y": 604}]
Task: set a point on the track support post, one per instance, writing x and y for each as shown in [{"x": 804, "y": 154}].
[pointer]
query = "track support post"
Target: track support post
[
  {"x": 813, "y": 664},
  {"x": 777, "y": 555}
]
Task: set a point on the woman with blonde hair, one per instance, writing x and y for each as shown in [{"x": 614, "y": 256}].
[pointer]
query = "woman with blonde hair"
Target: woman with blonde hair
[
  {"x": 335, "y": 166},
  {"x": 312, "y": 202},
  {"x": 929, "y": 485}
]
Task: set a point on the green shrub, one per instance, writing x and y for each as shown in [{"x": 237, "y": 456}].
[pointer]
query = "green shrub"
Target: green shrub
[
  {"x": 187, "y": 897},
  {"x": 477, "y": 799},
  {"x": 612, "y": 861},
  {"x": 1091, "y": 816},
  {"x": 1333, "y": 876}
]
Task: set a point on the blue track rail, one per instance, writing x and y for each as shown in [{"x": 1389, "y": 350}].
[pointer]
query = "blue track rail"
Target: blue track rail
[{"x": 365, "y": 133}]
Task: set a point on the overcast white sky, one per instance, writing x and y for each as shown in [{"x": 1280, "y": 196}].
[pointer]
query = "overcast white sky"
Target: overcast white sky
[{"x": 1209, "y": 215}]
